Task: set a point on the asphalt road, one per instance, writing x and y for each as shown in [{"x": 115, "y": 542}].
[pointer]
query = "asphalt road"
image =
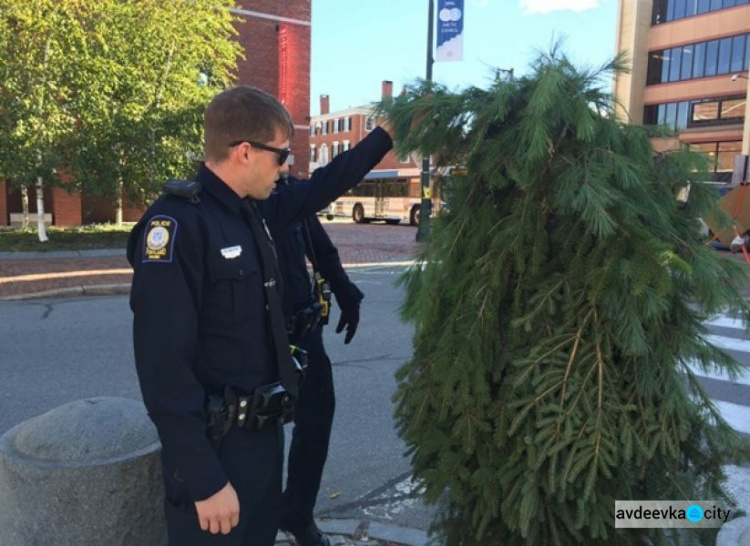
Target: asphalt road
[{"x": 56, "y": 351}]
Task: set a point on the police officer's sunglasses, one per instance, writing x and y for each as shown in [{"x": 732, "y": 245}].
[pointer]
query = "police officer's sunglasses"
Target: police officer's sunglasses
[{"x": 283, "y": 153}]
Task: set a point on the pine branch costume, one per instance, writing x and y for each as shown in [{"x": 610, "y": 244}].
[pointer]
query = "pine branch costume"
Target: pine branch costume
[{"x": 557, "y": 308}]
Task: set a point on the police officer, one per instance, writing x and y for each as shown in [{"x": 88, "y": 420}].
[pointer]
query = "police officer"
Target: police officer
[
  {"x": 313, "y": 416},
  {"x": 201, "y": 320}
]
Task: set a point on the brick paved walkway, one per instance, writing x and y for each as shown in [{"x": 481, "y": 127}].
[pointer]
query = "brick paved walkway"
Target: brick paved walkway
[{"x": 357, "y": 244}]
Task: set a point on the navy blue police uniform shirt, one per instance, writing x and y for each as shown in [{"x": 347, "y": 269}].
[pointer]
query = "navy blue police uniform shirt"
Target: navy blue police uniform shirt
[{"x": 199, "y": 310}]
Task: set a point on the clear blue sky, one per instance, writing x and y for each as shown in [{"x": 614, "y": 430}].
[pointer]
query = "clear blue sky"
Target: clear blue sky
[{"x": 356, "y": 44}]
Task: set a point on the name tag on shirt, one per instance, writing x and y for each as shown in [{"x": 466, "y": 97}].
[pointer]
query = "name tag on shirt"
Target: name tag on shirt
[{"x": 231, "y": 252}]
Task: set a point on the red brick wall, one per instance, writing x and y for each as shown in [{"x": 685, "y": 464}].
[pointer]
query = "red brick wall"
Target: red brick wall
[
  {"x": 258, "y": 32},
  {"x": 65, "y": 207},
  {"x": 357, "y": 133},
  {"x": 261, "y": 36},
  {"x": 97, "y": 210},
  {"x": 4, "y": 214}
]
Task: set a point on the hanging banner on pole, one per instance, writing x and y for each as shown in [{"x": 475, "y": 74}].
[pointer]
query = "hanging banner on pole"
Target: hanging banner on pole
[{"x": 450, "y": 31}]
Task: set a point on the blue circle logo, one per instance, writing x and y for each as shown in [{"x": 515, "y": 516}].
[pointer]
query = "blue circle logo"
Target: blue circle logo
[{"x": 694, "y": 513}]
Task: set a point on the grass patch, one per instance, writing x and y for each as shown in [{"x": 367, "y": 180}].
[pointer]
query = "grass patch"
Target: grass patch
[{"x": 90, "y": 237}]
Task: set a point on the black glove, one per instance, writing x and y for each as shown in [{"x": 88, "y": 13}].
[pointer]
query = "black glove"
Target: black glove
[{"x": 349, "y": 301}]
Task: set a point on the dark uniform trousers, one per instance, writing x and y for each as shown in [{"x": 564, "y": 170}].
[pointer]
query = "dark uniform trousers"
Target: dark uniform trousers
[
  {"x": 313, "y": 419},
  {"x": 253, "y": 462}
]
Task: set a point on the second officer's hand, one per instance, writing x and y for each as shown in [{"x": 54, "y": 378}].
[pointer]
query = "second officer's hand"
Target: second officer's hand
[
  {"x": 349, "y": 319},
  {"x": 220, "y": 512}
]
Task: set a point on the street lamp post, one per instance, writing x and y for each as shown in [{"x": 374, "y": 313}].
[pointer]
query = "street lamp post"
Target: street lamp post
[{"x": 425, "y": 206}]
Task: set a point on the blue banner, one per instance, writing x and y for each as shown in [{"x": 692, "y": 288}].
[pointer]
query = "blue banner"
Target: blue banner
[{"x": 450, "y": 31}]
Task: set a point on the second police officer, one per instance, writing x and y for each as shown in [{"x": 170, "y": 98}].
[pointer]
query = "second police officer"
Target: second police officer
[{"x": 307, "y": 302}]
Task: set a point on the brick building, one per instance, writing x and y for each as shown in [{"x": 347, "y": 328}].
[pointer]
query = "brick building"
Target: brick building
[
  {"x": 334, "y": 132},
  {"x": 391, "y": 190},
  {"x": 276, "y": 40},
  {"x": 689, "y": 69}
]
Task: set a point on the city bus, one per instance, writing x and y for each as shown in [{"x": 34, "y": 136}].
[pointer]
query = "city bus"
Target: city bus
[{"x": 390, "y": 195}]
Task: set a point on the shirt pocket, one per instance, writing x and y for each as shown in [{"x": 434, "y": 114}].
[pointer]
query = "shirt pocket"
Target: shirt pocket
[{"x": 236, "y": 290}]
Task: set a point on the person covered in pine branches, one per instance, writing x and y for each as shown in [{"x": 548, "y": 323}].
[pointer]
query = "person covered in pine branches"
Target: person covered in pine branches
[{"x": 557, "y": 306}]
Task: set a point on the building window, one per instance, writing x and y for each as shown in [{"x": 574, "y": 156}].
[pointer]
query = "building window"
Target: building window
[
  {"x": 695, "y": 113},
  {"x": 323, "y": 155},
  {"x": 716, "y": 111},
  {"x": 345, "y": 146},
  {"x": 699, "y": 60},
  {"x": 720, "y": 154},
  {"x": 335, "y": 124},
  {"x": 672, "y": 10},
  {"x": 726, "y": 56},
  {"x": 348, "y": 126},
  {"x": 369, "y": 123},
  {"x": 324, "y": 128},
  {"x": 738, "y": 53},
  {"x": 335, "y": 150},
  {"x": 313, "y": 157},
  {"x": 705, "y": 112}
]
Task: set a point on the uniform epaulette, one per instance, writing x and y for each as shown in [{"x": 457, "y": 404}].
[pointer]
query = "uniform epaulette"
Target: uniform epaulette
[{"x": 187, "y": 189}]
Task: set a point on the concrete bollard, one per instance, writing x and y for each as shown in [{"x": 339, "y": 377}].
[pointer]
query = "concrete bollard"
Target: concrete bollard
[{"x": 84, "y": 474}]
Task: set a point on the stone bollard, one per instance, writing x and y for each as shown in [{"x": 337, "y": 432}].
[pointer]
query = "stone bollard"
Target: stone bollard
[{"x": 84, "y": 474}]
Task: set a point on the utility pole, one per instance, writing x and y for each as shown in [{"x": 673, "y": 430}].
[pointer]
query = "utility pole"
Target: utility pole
[{"x": 425, "y": 206}]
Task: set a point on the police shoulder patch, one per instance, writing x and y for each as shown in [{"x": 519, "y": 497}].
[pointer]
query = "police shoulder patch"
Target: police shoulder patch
[{"x": 158, "y": 244}]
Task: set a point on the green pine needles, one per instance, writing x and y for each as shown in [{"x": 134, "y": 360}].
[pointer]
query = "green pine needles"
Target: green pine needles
[{"x": 558, "y": 306}]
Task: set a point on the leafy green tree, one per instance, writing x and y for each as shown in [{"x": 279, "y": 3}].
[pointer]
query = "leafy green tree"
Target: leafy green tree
[
  {"x": 108, "y": 91},
  {"x": 35, "y": 40},
  {"x": 558, "y": 309},
  {"x": 142, "y": 99}
]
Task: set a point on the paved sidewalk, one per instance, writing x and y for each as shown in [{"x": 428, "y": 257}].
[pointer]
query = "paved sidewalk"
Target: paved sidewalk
[{"x": 107, "y": 271}]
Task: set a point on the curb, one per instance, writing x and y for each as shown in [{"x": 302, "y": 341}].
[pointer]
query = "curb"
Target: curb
[
  {"x": 735, "y": 533},
  {"x": 94, "y": 253},
  {"x": 364, "y": 530},
  {"x": 119, "y": 289},
  {"x": 87, "y": 290}
]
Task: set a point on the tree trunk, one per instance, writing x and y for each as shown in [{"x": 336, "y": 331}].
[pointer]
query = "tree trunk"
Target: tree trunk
[
  {"x": 118, "y": 217},
  {"x": 41, "y": 228},
  {"x": 25, "y": 206}
]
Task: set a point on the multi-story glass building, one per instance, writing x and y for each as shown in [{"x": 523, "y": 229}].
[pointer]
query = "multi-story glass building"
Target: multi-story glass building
[{"x": 689, "y": 69}]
